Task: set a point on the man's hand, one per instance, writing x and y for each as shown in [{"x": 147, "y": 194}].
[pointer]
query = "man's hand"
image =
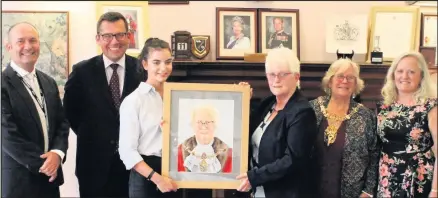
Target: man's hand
[{"x": 51, "y": 164}]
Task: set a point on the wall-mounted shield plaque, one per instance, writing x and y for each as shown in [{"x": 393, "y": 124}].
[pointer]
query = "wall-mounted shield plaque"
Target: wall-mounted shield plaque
[{"x": 200, "y": 46}]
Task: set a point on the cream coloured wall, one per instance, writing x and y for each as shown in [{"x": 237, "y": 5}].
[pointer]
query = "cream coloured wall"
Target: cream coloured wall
[{"x": 198, "y": 18}]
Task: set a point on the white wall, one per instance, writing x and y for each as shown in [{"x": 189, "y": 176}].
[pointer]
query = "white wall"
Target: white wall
[{"x": 82, "y": 17}]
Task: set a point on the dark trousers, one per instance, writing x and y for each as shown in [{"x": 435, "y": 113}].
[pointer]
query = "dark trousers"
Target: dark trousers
[
  {"x": 19, "y": 182},
  {"x": 141, "y": 187},
  {"x": 115, "y": 186},
  {"x": 198, "y": 193}
]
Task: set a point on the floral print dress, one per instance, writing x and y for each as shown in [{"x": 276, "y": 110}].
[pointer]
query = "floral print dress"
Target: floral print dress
[{"x": 406, "y": 160}]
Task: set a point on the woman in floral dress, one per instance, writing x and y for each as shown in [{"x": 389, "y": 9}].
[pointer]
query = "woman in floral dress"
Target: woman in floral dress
[{"x": 407, "y": 127}]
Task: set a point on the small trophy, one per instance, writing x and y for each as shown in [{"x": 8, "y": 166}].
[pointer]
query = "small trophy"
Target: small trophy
[
  {"x": 376, "y": 54},
  {"x": 181, "y": 45}
]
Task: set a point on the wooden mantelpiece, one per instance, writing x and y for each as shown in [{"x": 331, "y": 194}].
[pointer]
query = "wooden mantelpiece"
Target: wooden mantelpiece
[{"x": 228, "y": 72}]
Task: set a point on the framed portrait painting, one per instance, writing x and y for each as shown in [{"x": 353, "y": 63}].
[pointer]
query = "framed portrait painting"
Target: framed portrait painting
[
  {"x": 279, "y": 28},
  {"x": 136, "y": 14},
  {"x": 205, "y": 134},
  {"x": 53, "y": 30},
  {"x": 236, "y": 32}
]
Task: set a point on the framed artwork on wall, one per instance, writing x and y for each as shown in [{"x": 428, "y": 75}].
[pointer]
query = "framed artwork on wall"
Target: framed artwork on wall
[
  {"x": 205, "y": 134},
  {"x": 236, "y": 32},
  {"x": 136, "y": 14},
  {"x": 389, "y": 33},
  {"x": 346, "y": 34},
  {"x": 279, "y": 28},
  {"x": 167, "y": 2},
  {"x": 53, "y": 30}
]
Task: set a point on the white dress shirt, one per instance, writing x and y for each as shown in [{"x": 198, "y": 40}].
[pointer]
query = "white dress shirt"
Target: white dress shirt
[
  {"x": 120, "y": 70},
  {"x": 141, "y": 113},
  {"x": 31, "y": 79}
]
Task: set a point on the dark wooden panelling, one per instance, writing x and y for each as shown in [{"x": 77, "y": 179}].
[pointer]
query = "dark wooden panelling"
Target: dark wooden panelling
[{"x": 228, "y": 72}]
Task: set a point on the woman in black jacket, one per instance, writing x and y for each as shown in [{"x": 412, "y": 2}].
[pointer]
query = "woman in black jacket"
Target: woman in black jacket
[{"x": 282, "y": 134}]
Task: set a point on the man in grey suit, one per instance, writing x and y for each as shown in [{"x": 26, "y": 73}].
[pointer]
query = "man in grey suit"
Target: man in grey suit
[{"x": 34, "y": 128}]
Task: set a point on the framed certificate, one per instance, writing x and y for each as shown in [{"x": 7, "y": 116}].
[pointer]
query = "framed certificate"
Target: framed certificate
[
  {"x": 205, "y": 134},
  {"x": 428, "y": 30},
  {"x": 393, "y": 31}
]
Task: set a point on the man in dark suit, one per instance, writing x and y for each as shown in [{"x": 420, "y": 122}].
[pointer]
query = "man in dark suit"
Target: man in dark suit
[
  {"x": 34, "y": 128},
  {"x": 93, "y": 94},
  {"x": 279, "y": 38}
]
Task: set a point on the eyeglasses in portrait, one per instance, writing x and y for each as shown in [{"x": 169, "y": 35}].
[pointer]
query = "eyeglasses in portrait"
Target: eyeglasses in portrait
[{"x": 204, "y": 134}]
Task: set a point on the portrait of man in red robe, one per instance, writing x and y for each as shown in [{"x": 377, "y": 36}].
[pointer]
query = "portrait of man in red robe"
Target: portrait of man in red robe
[{"x": 203, "y": 152}]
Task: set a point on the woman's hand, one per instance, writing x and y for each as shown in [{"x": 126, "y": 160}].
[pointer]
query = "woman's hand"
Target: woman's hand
[
  {"x": 244, "y": 84},
  {"x": 245, "y": 186},
  {"x": 164, "y": 184}
]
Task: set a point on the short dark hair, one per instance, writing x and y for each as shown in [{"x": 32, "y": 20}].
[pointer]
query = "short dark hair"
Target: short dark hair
[
  {"x": 24, "y": 22},
  {"x": 152, "y": 43},
  {"x": 111, "y": 17}
]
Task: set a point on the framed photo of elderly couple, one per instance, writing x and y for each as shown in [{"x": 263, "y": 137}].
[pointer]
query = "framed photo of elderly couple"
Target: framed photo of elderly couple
[
  {"x": 205, "y": 134},
  {"x": 241, "y": 31}
]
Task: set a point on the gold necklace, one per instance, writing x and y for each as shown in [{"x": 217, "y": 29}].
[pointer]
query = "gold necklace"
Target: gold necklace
[{"x": 332, "y": 129}]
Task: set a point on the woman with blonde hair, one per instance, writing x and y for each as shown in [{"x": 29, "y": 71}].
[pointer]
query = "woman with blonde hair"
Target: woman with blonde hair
[
  {"x": 346, "y": 150},
  {"x": 407, "y": 128}
]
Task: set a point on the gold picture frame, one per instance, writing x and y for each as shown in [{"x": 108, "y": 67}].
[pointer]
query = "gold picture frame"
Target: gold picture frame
[
  {"x": 228, "y": 126},
  {"x": 137, "y": 12},
  {"x": 388, "y": 28}
]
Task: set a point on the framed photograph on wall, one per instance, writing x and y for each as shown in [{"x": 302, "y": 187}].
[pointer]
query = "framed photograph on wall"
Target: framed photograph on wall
[
  {"x": 53, "y": 30},
  {"x": 205, "y": 134},
  {"x": 389, "y": 31},
  {"x": 137, "y": 16},
  {"x": 236, "y": 32},
  {"x": 279, "y": 28}
]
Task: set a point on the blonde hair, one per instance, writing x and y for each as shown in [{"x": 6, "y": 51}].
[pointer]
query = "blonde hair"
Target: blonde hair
[
  {"x": 425, "y": 91},
  {"x": 210, "y": 110},
  {"x": 281, "y": 56},
  {"x": 342, "y": 65}
]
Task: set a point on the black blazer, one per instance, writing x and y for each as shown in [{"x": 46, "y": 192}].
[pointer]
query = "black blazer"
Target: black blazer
[
  {"x": 94, "y": 118},
  {"x": 285, "y": 148},
  {"x": 22, "y": 133}
]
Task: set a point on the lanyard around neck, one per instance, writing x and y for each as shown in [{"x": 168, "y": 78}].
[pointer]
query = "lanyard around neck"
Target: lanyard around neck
[{"x": 40, "y": 103}]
